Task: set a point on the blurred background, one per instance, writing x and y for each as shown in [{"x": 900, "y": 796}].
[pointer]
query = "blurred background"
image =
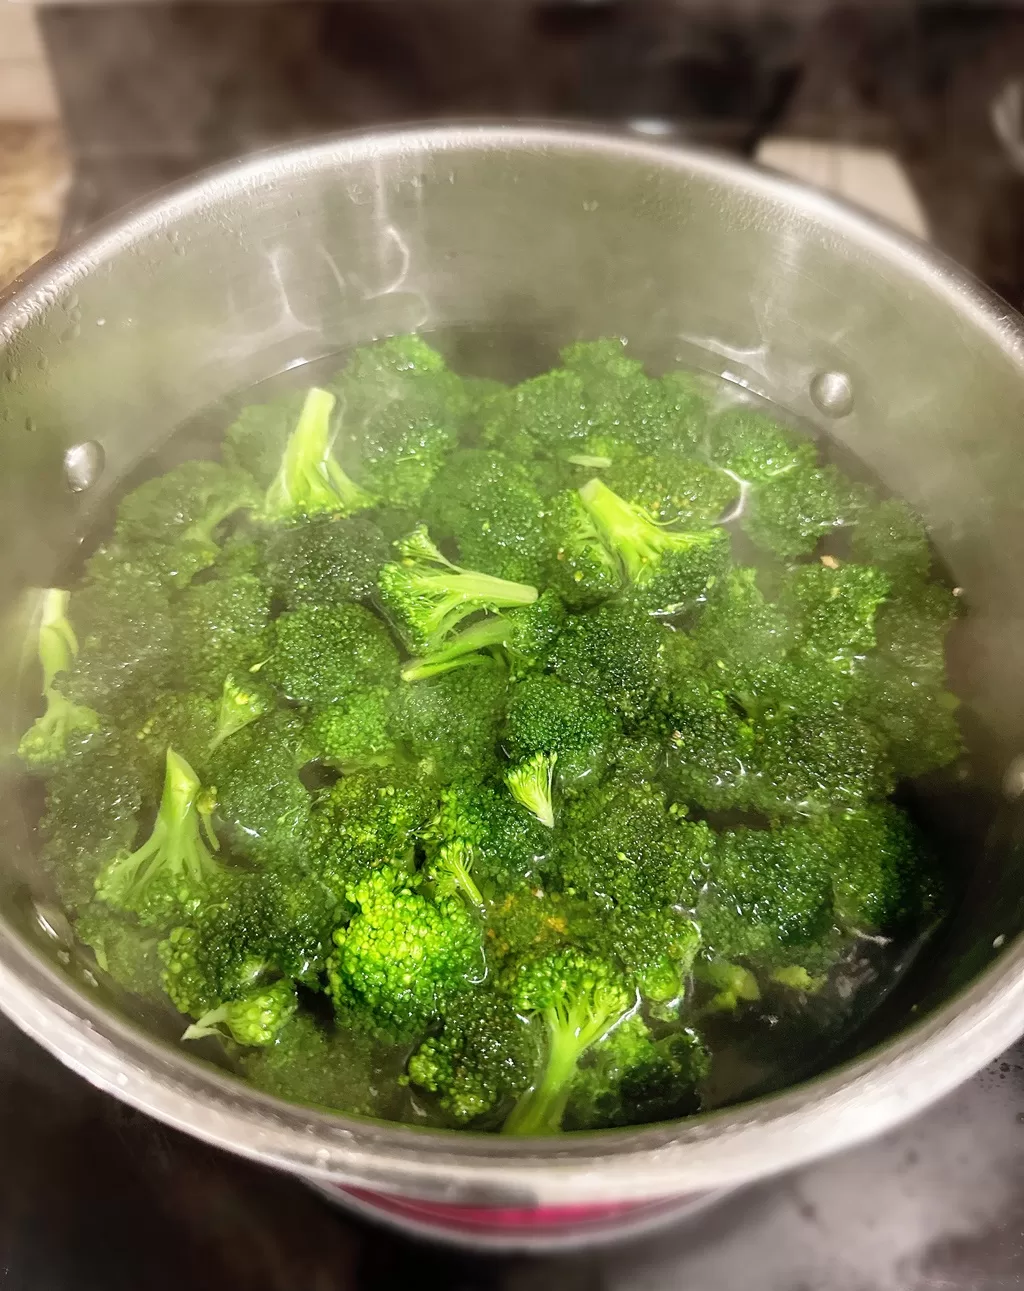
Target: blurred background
[{"x": 914, "y": 110}]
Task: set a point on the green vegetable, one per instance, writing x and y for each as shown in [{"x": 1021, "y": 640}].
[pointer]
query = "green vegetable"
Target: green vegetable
[
  {"x": 64, "y": 723},
  {"x": 309, "y": 479}
]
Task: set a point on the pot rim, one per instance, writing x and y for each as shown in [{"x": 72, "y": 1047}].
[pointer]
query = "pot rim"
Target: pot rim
[{"x": 835, "y": 1110}]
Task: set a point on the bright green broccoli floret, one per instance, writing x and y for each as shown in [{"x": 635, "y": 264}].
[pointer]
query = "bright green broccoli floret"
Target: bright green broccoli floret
[
  {"x": 354, "y": 731},
  {"x": 790, "y": 514},
  {"x": 221, "y": 630},
  {"x": 450, "y": 723},
  {"x": 429, "y": 596},
  {"x": 403, "y": 411},
  {"x": 526, "y": 635},
  {"x": 64, "y": 724},
  {"x": 324, "y": 559},
  {"x": 657, "y": 949},
  {"x": 578, "y": 998},
  {"x": 756, "y": 448},
  {"x": 174, "y": 867},
  {"x": 666, "y": 568},
  {"x": 675, "y": 490},
  {"x": 484, "y": 1056},
  {"x": 323, "y": 653},
  {"x": 530, "y": 784},
  {"x": 732, "y": 983},
  {"x": 488, "y": 505},
  {"x": 403, "y": 957},
  {"x": 548, "y": 715},
  {"x": 509, "y": 846},
  {"x": 181, "y": 720},
  {"x": 309, "y": 480},
  {"x": 615, "y": 651},
  {"x": 171, "y": 521},
  {"x": 582, "y": 569},
  {"x": 254, "y": 1019}
]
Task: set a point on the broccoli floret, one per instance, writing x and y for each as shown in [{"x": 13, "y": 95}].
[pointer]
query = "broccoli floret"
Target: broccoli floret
[
  {"x": 579, "y": 998},
  {"x": 324, "y": 559},
  {"x": 255, "y": 441},
  {"x": 355, "y": 731},
  {"x": 241, "y": 702},
  {"x": 124, "y": 950},
  {"x": 403, "y": 411},
  {"x": 181, "y": 720},
  {"x": 582, "y": 569},
  {"x": 324, "y": 653},
  {"x": 740, "y": 638},
  {"x": 890, "y": 535},
  {"x": 667, "y": 569},
  {"x": 367, "y": 818},
  {"x": 621, "y": 846},
  {"x": 254, "y": 1019},
  {"x": 487, "y": 503},
  {"x": 526, "y": 635},
  {"x": 544, "y": 415},
  {"x": 430, "y": 597},
  {"x": 509, "y": 846},
  {"x": 174, "y": 867},
  {"x": 675, "y": 490},
  {"x": 790, "y": 514},
  {"x": 403, "y": 957},
  {"x": 65, "y": 724},
  {"x": 221, "y": 630},
  {"x": 261, "y": 802},
  {"x": 307, "y": 1063},
  {"x": 732, "y": 983},
  {"x": 484, "y": 1056},
  {"x": 615, "y": 651},
  {"x": 451, "y": 872},
  {"x": 835, "y": 609},
  {"x": 634, "y": 1078},
  {"x": 309, "y": 481},
  {"x": 171, "y": 521},
  {"x": 530, "y": 784},
  {"x": 548, "y": 715},
  {"x": 755, "y": 447},
  {"x": 657, "y": 949},
  {"x": 450, "y": 723}
]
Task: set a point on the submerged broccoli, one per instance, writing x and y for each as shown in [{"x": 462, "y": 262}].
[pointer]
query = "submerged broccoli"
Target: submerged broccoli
[
  {"x": 64, "y": 723},
  {"x": 324, "y": 653},
  {"x": 583, "y": 571},
  {"x": 429, "y": 596},
  {"x": 255, "y": 1019},
  {"x": 450, "y": 723},
  {"x": 323, "y": 559},
  {"x": 526, "y": 635},
  {"x": 509, "y": 846},
  {"x": 309, "y": 479},
  {"x": 547, "y": 715}
]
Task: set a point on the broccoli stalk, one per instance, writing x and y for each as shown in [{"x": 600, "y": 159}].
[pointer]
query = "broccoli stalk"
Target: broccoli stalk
[
  {"x": 430, "y": 596},
  {"x": 579, "y": 999},
  {"x": 255, "y": 1019},
  {"x": 530, "y": 784},
  {"x": 463, "y": 650},
  {"x": 174, "y": 866},
  {"x": 451, "y": 872},
  {"x": 309, "y": 480},
  {"x": 639, "y": 542},
  {"x": 46, "y": 740},
  {"x": 239, "y": 705}
]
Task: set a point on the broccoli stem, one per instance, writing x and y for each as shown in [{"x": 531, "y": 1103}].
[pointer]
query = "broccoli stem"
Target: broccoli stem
[
  {"x": 625, "y": 529},
  {"x": 309, "y": 480},
  {"x": 461, "y": 651},
  {"x": 530, "y": 785},
  {"x": 541, "y": 1108},
  {"x": 452, "y": 872},
  {"x": 45, "y": 742},
  {"x": 239, "y": 706},
  {"x": 58, "y": 645}
]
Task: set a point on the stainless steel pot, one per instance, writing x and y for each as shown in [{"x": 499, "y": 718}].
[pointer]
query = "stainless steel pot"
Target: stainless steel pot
[{"x": 286, "y": 257}]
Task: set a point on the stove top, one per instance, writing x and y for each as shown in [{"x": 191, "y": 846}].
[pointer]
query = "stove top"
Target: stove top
[{"x": 93, "y": 1194}]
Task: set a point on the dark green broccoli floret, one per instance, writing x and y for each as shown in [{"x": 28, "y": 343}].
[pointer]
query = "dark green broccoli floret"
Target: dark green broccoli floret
[
  {"x": 368, "y": 818},
  {"x": 450, "y": 723},
  {"x": 548, "y": 715},
  {"x": 657, "y": 949},
  {"x": 174, "y": 867},
  {"x": 621, "y": 846},
  {"x": 255, "y": 441},
  {"x": 181, "y": 720},
  {"x": 355, "y": 731},
  {"x": 261, "y": 802},
  {"x": 633, "y": 1078},
  {"x": 675, "y": 490},
  {"x": 740, "y": 637},
  {"x": 307, "y": 1063},
  {"x": 324, "y": 559},
  {"x": 666, "y": 568},
  {"x": 547, "y": 415},
  {"x": 429, "y": 596},
  {"x": 309, "y": 480},
  {"x": 578, "y": 998},
  {"x": 64, "y": 724},
  {"x": 755, "y": 447},
  {"x": 124, "y": 950},
  {"x": 582, "y": 569},
  {"x": 402, "y": 413},
  {"x": 616, "y": 651},
  {"x": 221, "y": 629},
  {"x": 530, "y": 783},
  {"x": 509, "y": 845},
  {"x": 484, "y": 1056},
  {"x": 253, "y": 1019},
  {"x": 890, "y": 535},
  {"x": 487, "y": 503},
  {"x": 403, "y": 957},
  {"x": 790, "y": 514},
  {"x": 323, "y": 653},
  {"x": 835, "y": 609},
  {"x": 171, "y": 521},
  {"x": 526, "y": 635}
]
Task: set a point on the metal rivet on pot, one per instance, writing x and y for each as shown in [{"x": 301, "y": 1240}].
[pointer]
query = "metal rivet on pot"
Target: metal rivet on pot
[
  {"x": 832, "y": 393},
  {"x": 83, "y": 464}
]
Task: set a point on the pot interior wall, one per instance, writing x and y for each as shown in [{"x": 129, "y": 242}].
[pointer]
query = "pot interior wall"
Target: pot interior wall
[{"x": 207, "y": 293}]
